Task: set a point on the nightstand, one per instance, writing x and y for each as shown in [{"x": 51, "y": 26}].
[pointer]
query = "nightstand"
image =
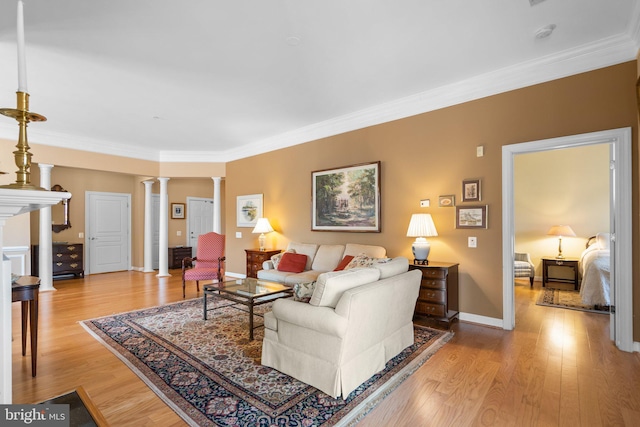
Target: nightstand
[
  {"x": 554, "y": 266},
  {"x": 438, "y": 296},
  {"x": 255, "y": 258}
]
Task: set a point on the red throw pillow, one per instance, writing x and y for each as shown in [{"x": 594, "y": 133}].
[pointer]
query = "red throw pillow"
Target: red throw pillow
[
  {"x": 292, "y": 263},
  {"x": 345, "y": 261}
]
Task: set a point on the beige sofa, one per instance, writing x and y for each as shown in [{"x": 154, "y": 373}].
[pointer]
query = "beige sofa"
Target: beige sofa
[
  {"x": 320, "y": 259},
  {"x": 356, "y": 321}
]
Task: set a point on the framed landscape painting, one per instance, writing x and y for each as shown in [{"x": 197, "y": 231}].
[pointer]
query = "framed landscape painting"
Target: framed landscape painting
[
  {"x": 346, "y": 199},
  {"x": 249, "y": 209},
  {"x": 471, "y": 216}
]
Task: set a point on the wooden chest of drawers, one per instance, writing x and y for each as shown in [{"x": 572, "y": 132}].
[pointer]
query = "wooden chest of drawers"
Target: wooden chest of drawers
[
  {"x": 177, "y": 254},
  {"x": 66, "y": 258},
  {"x": 438, "y": 296},
  {"x": 255, "y": 258}
]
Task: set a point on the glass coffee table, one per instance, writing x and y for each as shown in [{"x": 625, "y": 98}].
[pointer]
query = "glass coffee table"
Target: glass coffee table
[{"x": 248, "y": 292}]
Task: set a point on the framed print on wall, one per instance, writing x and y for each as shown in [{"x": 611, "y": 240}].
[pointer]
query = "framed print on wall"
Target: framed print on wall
[
  {"x": 248, "y": 210},
  {"x": 447, "y": 201},
  {"x": 471, "y": 190},
  {"x": 177, "y": 210},
  {"x": 346, "y": 198},
  {"x": 471, "y": 216}
]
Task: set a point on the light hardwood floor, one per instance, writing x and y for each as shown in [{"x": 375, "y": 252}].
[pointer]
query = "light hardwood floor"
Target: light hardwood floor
[{"x": 557, "y": 368}]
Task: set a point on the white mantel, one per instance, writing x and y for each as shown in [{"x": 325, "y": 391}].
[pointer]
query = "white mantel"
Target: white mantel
[{"x": 15, "y": 202}]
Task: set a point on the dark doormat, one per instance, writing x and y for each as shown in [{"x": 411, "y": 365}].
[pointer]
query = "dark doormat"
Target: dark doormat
[{"x": 82, "y": 411}]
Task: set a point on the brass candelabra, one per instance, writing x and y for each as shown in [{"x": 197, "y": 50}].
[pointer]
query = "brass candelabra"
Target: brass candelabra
[{"x": 22, "y": 154}]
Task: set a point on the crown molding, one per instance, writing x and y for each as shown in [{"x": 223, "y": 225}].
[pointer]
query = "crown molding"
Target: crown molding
[{"x": 589, "y": 57}]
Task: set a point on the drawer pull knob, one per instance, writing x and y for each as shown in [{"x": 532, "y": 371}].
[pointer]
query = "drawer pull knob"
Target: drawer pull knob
[
  {"x": 59, "y": 255},
  {"x": 58, "y": 264},
  {"x": 74, "y": 256}
]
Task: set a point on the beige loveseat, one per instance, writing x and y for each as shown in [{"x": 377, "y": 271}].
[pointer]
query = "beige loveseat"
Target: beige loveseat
[
  {"x": 356, "y": 321},
  {"x": 320, "y": 259}
]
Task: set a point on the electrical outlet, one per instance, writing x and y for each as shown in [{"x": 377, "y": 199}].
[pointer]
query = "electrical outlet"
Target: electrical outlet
[
  {"x": 480, "y": 151},
  {"x": 238, "y": 234},
  {"x": 178, "y": 233},
  {"x": 473, "y": 242},
  {"x": 81, "y": 235}
]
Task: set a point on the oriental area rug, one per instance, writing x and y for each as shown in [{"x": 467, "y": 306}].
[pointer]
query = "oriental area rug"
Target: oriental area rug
[
  {"x": 210, "y": 374},
  {"x": 569, "y": 299}
]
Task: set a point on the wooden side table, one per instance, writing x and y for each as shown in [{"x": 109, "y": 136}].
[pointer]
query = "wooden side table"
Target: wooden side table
[
  {"x": 177, "y": 254},
  {"x": 565, "y": 263},
  {"x": 25, "y": 289},
  {"x": 438, "y": 296},
  {"x": 255, "y": 258}
]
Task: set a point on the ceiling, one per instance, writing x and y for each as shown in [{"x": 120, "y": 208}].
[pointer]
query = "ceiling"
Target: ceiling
[{"x": 212, "y": 80}]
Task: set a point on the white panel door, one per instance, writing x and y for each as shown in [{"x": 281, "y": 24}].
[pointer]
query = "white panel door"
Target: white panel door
[
  {"x": 199, "y": 220},
  {"x": 108, "y": 234}
]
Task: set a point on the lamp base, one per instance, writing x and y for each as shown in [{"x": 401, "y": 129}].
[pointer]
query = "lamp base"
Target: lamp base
[
  {"x": 421, "y": 249},
  {"x": 420, "y": 262}
]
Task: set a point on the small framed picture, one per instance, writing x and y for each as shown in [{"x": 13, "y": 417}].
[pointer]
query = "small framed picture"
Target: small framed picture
[
  {"x": 471, "y": 190},
  {"x": 447, "y": 201},
  {"x": 471, "y": 216},
  {"x": 248, "y": 210},
  {"x": 177, "y": 210}
]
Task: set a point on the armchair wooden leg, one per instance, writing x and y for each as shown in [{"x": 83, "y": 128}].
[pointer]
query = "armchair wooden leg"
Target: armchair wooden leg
[
  {"x": 531, "y": 281},
  {"x": 183, "y": 286},
  {"x": 198, "y": 285}
]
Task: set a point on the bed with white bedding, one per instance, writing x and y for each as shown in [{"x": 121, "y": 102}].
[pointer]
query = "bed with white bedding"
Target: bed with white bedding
[{"x": 595, "y": 267}]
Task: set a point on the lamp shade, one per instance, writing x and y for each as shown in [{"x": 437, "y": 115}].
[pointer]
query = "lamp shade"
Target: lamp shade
[
  {"x": 262, "y": 226},
  {"x": 421, "y": 225},
  {"x": 561, "y": 230}
]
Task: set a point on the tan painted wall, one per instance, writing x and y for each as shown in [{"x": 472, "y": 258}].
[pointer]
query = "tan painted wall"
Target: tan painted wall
[
  {"x": 79, "y": 181},
  {"x": 570, "y": 187},
  {"x": 429, "y": 155}
]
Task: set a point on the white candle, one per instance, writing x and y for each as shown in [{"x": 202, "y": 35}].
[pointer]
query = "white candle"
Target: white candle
[{"x": 22, "y": 62}]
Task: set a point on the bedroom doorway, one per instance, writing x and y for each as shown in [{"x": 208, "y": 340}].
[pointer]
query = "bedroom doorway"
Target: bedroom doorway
[{"x": 620, "y": 223}]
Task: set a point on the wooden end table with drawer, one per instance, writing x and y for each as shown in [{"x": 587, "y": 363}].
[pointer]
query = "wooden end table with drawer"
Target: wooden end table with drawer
[
  {"x": 438, "y": 298},
  {"x": 557, "y": 265},
  {"x": 255, "y": 258}
]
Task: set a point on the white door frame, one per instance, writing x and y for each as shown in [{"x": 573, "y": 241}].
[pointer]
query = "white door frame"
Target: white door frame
[{"x": 621, "y": 221}]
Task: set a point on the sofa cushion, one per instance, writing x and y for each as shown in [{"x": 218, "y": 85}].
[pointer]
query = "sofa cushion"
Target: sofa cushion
[
  {"x": 345, "y": 261},
  {"x": 369, "y": 250},
  {"x": 331, "y": 285},
  {"x": 303, "y": 291},
  {"x": 277, "y": 257},
  {"x": 292, "y": 262},
  {"x": 309, "y": 249},
  {"x": 360, "y": 261},
  {"x": 273, "y": 275},
  {"x": 305, "y": 276},
  {"x": 327, "y": 257},
  {"x": 392, "y": 267}
]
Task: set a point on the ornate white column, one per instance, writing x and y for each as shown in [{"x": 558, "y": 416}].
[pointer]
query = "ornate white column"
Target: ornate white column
[
  {"x": 216, "y": 204},
  {"x": 45, "y": 271},
  {"x": 148, "y": 232},
  {"x": 163, "y": 250}
]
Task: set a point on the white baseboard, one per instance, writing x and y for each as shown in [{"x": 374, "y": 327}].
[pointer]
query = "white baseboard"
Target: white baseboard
[{"x": 481, "y": 320}]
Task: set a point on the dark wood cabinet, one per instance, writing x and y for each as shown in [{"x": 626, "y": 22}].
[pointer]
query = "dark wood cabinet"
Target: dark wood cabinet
[
  {"x": 255, "y": 258},
  {"x": 438, "y": 296},
  {"x": 552, "y": 266},
  {"x": 177, "y": 254},
  {"x": 67, "y": 259}
]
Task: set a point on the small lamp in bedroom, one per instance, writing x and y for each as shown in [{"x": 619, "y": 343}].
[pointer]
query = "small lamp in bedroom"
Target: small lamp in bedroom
[
  {"x": 560, "y": 231},
  {"x": 421, "y": 226},
  {"x": 262, "y": 226}
]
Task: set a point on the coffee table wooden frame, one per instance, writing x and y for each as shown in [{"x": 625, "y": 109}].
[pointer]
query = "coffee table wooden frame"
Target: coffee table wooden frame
[{"x": 249, "y": 292}]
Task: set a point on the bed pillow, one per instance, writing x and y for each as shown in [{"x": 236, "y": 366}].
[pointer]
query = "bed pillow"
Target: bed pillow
[
  {"x": 602, "y": 240},
  {"x": 292, "y": 262}
]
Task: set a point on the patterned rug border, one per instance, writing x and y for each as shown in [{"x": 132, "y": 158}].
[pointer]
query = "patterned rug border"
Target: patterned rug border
[
  {"x": 544, "y": 294},
  {"x": 357, "y": 413}
]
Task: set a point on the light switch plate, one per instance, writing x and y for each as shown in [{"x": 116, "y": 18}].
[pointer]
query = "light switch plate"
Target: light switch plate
[
  {"x": 238, "y": 234},
  {"x": 473, "y": 242},
  {"x": 425, "y": 203},
  {"x": 480, "y": 151}
]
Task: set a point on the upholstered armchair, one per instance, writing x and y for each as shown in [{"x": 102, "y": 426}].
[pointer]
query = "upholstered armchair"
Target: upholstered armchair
[
  {"x": 208, "y": 263},
  {"x": 523, "y": 267}
]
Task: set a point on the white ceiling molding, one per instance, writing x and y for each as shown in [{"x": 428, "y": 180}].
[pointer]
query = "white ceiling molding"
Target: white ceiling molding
[{"x": 603, "y": 53}]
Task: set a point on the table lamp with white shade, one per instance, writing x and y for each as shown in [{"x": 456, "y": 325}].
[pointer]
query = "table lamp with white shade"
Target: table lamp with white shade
[
  {"x": 262, "y": 227},
  {"x": 560, "y": 231},
  {"x": 421, "y": 226}
]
